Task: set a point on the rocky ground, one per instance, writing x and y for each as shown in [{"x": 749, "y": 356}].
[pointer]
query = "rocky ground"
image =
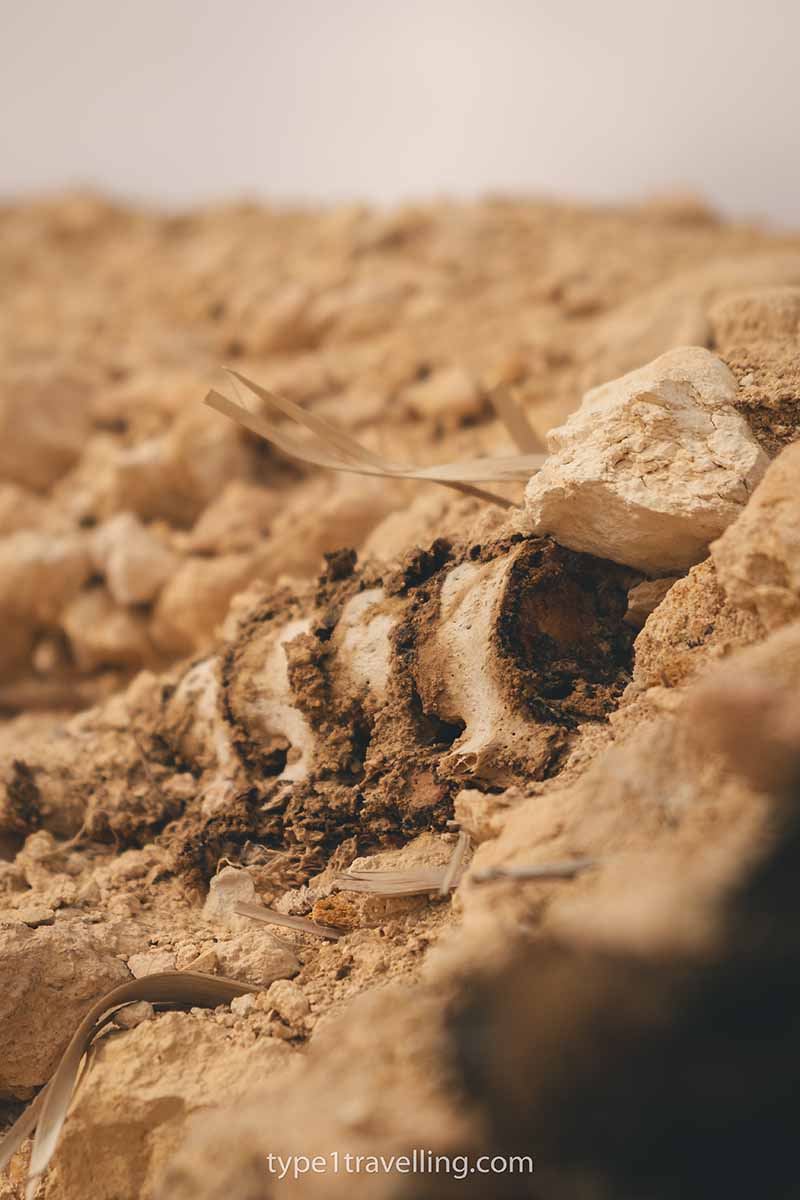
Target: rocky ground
[{"x": 229, "y": 677}]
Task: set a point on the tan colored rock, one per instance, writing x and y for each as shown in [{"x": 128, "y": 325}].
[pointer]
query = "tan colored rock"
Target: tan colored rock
[
  {"x": 20, "y": 509},
  {"x": 44, "y": 423},
  {"x": 236, "y": 520},
  {"x": 645, "y": 597},
  {"x": 694, "y": 625},
  {"x": 39, "y": 575},
  {"x": 150, "y": 962},
  {"x": 102, "y": 634},
  {"x": 756, "y": 332},
  {"x": 448, "y": 397},
  {"x": 143, "y": 1085},
  {"x": 758, "y": 559},
  {"x": 651, "y": 468},
  {"x": 135, "y": 563},
  {"x": 196, "y": 599},
  {"x": 256, "y": 957},
  {"x": 51, "y": 977},
  {"x": 133, "y": 1014},
  {"x": 676, "y": 312},
  {"x": 289, "y": 1001}
]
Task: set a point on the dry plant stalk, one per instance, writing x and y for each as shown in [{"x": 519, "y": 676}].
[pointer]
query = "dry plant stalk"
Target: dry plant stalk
[
  {"x": 270, "y": 916},
  {"x": 337, "y": 451},
  {"x": 394, "y": 883},
  {"x": 554, "y": 870},
  {"x": 47, "y": 1113}
]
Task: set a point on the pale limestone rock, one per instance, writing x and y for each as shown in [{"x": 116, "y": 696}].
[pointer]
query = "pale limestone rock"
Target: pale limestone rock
[
  {"x": 289, "y": 1001},
  {"x": 229, "y": 887},
  {"x": 135, "y": 563},
  {"x": 102, "y": 634},
  {"x": 256, "y": 957},
  {"x": 44, "y": 423},
  {"x": 133, "y": 1014},
  {"x": 758, "y": 560},
  {"x": 242, "y": 1005},
  {"x": 51, "y": 977},
  {"x": 151, "y": 962},
  {"x": 651, "y": 468}
]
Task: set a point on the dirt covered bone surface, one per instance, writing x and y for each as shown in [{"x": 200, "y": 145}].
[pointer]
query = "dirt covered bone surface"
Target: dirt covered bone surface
[
  {"x": 481, "y": 662},
  {"x": 519, "y": 291}
]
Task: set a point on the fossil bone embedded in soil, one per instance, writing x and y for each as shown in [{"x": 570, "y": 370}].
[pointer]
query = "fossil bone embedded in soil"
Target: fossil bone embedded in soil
[{"x": 233, "y": 682}]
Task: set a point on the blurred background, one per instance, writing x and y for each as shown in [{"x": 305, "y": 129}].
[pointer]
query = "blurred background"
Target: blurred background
[{"x": 177, "y": 102}]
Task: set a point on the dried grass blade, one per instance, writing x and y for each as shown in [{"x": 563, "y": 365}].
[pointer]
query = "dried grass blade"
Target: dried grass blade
[
  {"x": 394, "y": 883},
  {"x": 340, "y": 452},
  {"x": 270, "y": 916},
  {"x": 519, "y": 428},
  {"x": 48, "y": 1112},
  {"x": 554, "y": 870},
  {"x": 453, "y": 870}
]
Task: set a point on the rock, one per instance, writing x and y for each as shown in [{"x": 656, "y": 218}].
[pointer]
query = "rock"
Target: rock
[
  {"x": 449, "y": 397},
  {"x": 758, "y": 559},
  {"x": 143, "y": 1086},
  {"x": 36, "y": 914},
  {"x": 242, "y": 1005},
  {"x": 21, "y": 509},
  {"x": 39, "y": 575},
  {"x": 677, "y": 312},
  {"x": 483, "y": 814},
  {"x": 237, "y": 520},
  {"x": 256, "y": 957},
  {"x": 151, "y": 962},
  {"x": 645, "y": 597},
  {"x": 102, "y": 634},
  {"x": 756, "y": 333},
  {"x": 135, "y": 563},
  {"x": 694, "y": 623},
  {"x": 651, "y": 468},
  {"x": 289, "y": 1001},
  {"x": 133, "y": 1014},
  {"x": 228, "y": 888},
  {"x": 196, "y": 599},
  {"x": 44, "y": 423},
  {"x": 51, "y": 977}
]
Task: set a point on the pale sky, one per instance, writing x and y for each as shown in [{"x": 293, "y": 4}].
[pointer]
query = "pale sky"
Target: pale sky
[{"x": 177, "y": 101}]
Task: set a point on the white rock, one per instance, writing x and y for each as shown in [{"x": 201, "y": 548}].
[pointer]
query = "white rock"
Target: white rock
[
  {"x": 225, "y": 891},
  {"x": 289, "y": 1001},
  {"x": 241, "y": 1005},
  {"x": 134, "y": 562},
  {"x": 651, "y": 468},
  {"x": 151, "y": 962},
  {"x": 133, "y": 1014}
]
